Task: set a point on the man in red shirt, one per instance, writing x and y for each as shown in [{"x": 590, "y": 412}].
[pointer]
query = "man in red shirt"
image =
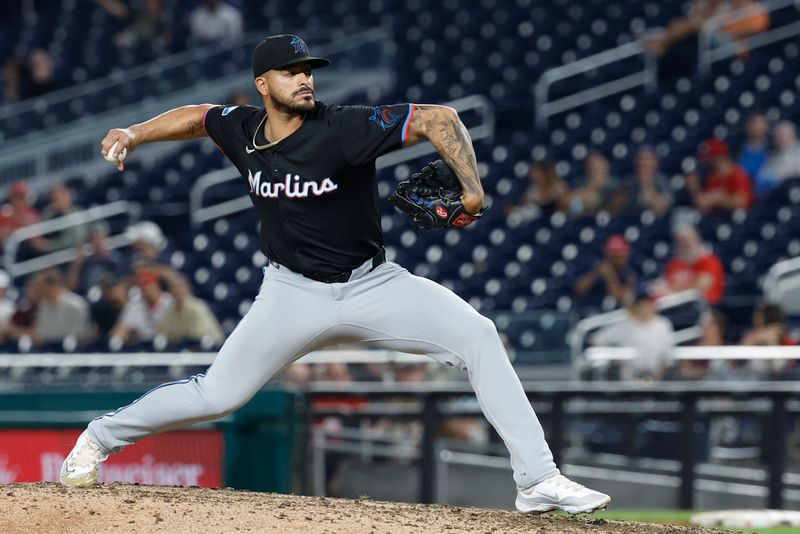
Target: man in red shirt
[
  {"x": 18, "y": 212},
  {"x": 693, "y": 267},
  {"x": 727, "y": 186}
]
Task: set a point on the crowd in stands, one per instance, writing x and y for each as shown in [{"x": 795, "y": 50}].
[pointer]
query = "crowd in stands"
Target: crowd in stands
[
  {"x": 110, "y": 297},
  {"x": 131, "y": 295},
  {"x": 722, "y": 183},
  {"x": 147, "y": 29}
]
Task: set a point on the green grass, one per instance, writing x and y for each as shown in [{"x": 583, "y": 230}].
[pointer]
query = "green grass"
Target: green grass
[{"x": 678, "y": 517}]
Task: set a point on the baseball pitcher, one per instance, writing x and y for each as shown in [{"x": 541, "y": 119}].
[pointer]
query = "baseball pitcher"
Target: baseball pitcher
[{"x": 309, "y": 168}]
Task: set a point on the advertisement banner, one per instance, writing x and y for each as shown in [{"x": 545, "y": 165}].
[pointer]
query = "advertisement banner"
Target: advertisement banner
[{"x": 183, "y": 458}]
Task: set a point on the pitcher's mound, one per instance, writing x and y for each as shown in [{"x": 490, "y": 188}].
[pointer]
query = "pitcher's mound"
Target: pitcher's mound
[{"x": 38, "y": 508}]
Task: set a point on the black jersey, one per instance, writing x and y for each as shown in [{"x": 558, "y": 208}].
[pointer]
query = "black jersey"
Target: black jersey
[{"x": 315, "y": 190}]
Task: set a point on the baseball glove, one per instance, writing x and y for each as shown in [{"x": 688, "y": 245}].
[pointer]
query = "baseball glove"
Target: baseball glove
[{"x": 432, "y": 198}]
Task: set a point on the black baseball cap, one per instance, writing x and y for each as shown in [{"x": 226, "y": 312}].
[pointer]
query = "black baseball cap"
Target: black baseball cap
[{"x": 281, "y": 51}]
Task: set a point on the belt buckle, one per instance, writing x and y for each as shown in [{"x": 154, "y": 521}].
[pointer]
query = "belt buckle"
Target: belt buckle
[{"x": 338, "y": 278}]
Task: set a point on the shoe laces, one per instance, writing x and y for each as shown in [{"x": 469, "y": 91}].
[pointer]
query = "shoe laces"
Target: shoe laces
[
  {"x": 563, "y": 482},
  {"x": 89, "y": 453}
]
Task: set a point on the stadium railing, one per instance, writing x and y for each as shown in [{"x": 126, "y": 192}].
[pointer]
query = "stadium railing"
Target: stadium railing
[
  {"x": 577, "y": 337},
  {"x": 646, "y": 75},
  {"x": 604, "y": 355},
  {"x": 782, "y": 284},
  {"x": 710, "y": 52},
  {"x": 688, "y": 403},
  {"x": 557, "y": 402},
  {"x": 79, "y": 218},
  {"x": 483, "y": 129}
]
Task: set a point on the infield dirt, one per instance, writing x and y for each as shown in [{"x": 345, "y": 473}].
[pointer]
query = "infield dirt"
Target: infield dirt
[{"x": 44, "y": 508}]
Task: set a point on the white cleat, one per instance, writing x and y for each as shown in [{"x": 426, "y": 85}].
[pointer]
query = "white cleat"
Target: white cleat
[
  {"x": 560, "y": 493},
  {"x": 82, "y": 463}
]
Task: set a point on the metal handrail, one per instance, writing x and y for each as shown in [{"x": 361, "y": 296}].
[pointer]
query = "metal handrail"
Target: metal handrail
[
  {"x": 578, "y": 334},
  {"x": 707, "y": 53},
  {"x": 166, "y": 359},
  {"x": 71, "y": 220},
  {"x": 732, "y": 352},
  {"x": 779, "y": 270},
  {"x": 200, "y": 214},
  {"x": 648, "y": 77}
]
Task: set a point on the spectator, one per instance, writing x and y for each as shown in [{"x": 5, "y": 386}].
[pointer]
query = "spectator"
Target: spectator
[
  {"x": 784, "y": 162},
  {"x": 106, "y": 311},
  {"x": 215, "y": 21},
  {"x": 727, "y": 186},
  {"x": 61, "y": 205},
  {"x": 649, "y": 333},
  {"x": 24, "y": 318},
  {"x": 754, "y": 152},
  {"x": 17, "y": 212},
  {"x": 612, "y": 276},
  {"x": 61, "y": 313},
  {"x": 595, "y": 191},
  {"x": 651, "y": 187},
  {"x": 714, "y": 333},
  {"x": 190, "y": 318},
  {"x": 769, "y": 327},
  {"x": 714, "y": 326},
  {"x": 297, "y": 375},
  {"x": 30, "y": 77},
  {"x": 547, "y": 191},
  {"x": 7, "y": 306},
  {"x": 742, "y": 18},
  {"x": 682, "y": 28},
  {"x": 149, "y": 244},
  {"x": 149, "y": 31},
  {"x": 85, "y": 272},
  {"x": 693, "y": 267},
  {"x": 142, "y": 314}
]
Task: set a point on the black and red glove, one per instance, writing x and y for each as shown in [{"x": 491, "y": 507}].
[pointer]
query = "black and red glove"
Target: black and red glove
[{"x": 432, "y": 199}]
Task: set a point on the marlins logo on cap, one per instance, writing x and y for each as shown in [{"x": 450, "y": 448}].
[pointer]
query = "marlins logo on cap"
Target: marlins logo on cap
[{"x": 298, "y": 44}]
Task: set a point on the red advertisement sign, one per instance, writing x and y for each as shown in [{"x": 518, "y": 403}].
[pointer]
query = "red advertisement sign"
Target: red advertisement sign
[{"x": 184, "y": 458}]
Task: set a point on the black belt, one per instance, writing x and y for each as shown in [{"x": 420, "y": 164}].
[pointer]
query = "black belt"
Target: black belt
[{"x": 339, "y": 278}]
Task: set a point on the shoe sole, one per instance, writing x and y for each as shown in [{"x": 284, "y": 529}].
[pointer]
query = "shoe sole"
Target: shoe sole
[
  {"x": 572, "y": 510},
  {"x": 89, "y": 479}
]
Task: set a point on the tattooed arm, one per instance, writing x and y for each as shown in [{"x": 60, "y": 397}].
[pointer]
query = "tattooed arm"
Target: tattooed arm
[
  {"x": 177, "y": 124},
  {"x": 441, "y": 126}
]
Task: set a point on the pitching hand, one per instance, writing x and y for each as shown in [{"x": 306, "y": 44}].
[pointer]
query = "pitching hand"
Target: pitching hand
[{"x": 124, "y": 138}]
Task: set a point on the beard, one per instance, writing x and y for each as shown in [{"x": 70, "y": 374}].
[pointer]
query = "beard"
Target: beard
[{"x": 292, "y": 106}]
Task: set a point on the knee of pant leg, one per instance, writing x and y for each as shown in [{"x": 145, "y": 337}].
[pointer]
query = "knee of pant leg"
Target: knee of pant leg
[
  {"x": 484, "y": 330},
  {"x": 481, "y": 338},
  {"x": 490, "y": 341},
  {"x": 221, "y": 403}
]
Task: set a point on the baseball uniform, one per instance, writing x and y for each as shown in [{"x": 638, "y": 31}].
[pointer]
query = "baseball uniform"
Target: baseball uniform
[{"x": 328, "y": 281}]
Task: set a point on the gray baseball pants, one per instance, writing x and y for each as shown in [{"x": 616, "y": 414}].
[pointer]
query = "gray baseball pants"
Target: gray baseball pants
[{"x": 293, "y": 315}]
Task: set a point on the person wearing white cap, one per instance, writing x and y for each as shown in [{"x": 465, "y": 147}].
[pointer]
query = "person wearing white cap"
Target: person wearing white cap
[{"x": 149, "y": 243}]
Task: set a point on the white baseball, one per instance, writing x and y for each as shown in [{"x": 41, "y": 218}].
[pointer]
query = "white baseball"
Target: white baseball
[{"x": 111, "y": 157}]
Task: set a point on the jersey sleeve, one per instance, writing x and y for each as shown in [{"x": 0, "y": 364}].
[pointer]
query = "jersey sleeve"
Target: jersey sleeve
[
  {"x": 222, "y": 124},
  {"x": 364, "y": 133}
]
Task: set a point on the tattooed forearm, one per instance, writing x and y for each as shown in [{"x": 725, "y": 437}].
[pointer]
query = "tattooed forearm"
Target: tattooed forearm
[
  {"x": 176, "y": 124},
  {"x": 442, "y": 127},
  {"x": 455, "y": 146}
]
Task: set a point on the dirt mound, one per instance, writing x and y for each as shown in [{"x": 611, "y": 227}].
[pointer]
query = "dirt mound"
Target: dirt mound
[{"x": 35, "y": 508}]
